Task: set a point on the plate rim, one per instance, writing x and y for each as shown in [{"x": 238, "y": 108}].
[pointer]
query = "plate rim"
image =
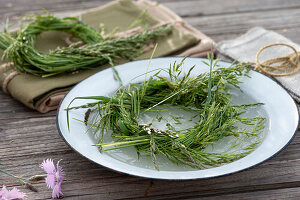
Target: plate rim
[{"x": 162, "y": 178}]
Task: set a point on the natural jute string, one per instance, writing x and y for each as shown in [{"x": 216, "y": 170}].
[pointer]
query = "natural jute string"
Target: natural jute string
[{"x": 287, "y": 65}]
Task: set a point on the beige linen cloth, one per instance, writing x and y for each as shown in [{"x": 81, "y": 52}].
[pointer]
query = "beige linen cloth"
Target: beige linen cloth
[
  {"x": 245, "y": 48},
  {"x": 44, "y": 94}
]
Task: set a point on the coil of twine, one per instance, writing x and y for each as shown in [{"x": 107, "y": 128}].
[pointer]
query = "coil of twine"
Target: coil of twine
[{"x": 286, "y": 65}]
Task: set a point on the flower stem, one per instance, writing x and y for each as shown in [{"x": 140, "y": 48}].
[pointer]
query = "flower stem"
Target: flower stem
[
  {"x": 21, "y": 180},
  {"x": 37, "y": 177}
]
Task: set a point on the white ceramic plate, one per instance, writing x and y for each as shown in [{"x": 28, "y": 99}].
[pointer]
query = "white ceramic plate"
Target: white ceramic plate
[{"x": 281, "y": 114}]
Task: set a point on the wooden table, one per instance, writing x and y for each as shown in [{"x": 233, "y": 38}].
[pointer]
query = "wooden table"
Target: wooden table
[{"x": 28, "y": 137}]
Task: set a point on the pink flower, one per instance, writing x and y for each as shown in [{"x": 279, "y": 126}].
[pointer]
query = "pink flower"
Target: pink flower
[
  {"x": 13, "y": 194},
  {"x": 54, "y": 177}
]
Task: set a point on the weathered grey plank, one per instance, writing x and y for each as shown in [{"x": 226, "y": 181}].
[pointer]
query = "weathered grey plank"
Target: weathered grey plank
[
  {"x": 291, "y": 33},
  {"x": 288, "y": 193},
  {"x": 241, "y": 22},
  {"x": 183, "y": 8},
  {"x": 191, "y": 8},
  {"x": 20, "y": 7}
]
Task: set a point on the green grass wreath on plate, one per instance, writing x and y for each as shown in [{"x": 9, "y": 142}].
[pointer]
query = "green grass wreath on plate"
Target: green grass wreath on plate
[{"x": 207, "y": 95}]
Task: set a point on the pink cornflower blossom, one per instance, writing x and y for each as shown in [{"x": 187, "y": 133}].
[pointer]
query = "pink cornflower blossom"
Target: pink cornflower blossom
[
  {"x": 13, "y": 194},
  {"x": 54, "y": 177}
]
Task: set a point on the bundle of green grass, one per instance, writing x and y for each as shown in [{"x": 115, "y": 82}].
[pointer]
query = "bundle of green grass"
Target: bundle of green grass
[{"x": 95, "y": 51}]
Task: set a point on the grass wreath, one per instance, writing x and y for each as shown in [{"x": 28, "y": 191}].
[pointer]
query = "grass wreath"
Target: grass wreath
[
  {"x": 96, "y": 51},
  {"x": 207, "y": 95}
]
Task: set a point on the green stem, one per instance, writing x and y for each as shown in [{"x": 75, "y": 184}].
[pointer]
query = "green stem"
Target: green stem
[{"x": 122, "y": 143}]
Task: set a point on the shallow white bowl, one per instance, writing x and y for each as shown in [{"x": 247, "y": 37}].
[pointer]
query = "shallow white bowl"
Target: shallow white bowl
[{"x": 279, "y": 109}]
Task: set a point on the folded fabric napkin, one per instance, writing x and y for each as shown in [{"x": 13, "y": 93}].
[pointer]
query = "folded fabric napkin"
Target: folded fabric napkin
[
  {"x": 44, "y": 94},
  {"x": 245, "y": 48}
]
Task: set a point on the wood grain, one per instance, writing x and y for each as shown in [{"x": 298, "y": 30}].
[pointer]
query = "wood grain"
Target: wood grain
[
  {"x": 28, "y": 137},
  {"x": 288, "y": 193}
]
